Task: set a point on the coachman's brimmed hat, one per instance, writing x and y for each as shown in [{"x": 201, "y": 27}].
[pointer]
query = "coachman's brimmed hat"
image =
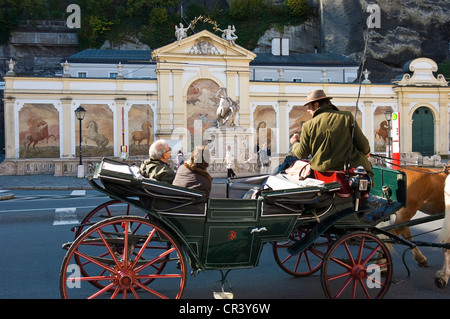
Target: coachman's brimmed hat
[{"x": 316, "y": 95}]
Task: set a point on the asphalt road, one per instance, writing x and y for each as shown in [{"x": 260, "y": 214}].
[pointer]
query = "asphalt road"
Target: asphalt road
[{"x": 35, "y": 224}]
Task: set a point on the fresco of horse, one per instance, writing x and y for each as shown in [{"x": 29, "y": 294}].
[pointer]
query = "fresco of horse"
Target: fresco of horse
[
  {"x": 37, "y": 132},
  {"x": 99, "y": 139},
  {"x": 143, "y": 134}
]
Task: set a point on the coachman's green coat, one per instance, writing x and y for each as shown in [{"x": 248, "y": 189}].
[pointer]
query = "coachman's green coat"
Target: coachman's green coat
[{"x": 327, "y": 137}]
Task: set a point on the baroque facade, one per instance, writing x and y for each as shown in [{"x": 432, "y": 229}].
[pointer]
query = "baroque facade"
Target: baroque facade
[{"x": 125, "y": 115}]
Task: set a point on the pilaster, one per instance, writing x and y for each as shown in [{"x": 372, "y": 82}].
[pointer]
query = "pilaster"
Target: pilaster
[{"x": 67, "y": 119}]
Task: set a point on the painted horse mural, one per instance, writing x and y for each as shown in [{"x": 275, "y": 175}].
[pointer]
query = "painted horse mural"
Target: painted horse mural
[
  {"x": 38, "y": 131},
  {"x": 143, "y": 134},
  {"x": 99, "y": 139}
]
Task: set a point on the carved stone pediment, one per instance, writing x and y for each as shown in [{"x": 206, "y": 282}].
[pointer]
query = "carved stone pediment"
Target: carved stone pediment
[
  {"x": 204, "y": 46},
  {"x": 422, "y": 69}
]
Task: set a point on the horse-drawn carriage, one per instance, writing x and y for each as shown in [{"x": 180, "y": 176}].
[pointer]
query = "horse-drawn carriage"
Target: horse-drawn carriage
[{"x": 312, "y": 225}]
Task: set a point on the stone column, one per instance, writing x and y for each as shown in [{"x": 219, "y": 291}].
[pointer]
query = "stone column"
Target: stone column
[
  {"x": 121, "y": 138},
  {"x": 283, "y": 127},
  {"x": 179, "y": 103},
  {"x": 67, "y": 122},
  {"x": 10, "y": 136},
  {"x": 244, "y": 91},
  {"x": 164, "y": 111},
  {"x": 444, "y": 103}
]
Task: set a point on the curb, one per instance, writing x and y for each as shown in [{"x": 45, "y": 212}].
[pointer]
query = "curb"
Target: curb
[
  {"x": 6, "y": 196},
  {"x": 47, "y": 188}
]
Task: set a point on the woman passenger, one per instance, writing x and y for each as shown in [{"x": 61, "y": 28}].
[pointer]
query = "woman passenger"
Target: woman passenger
[{"x": 193, "y": 173}]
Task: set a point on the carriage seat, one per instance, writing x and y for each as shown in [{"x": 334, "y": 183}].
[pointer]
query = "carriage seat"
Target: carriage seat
[
  {"x": 345, "y": 179},
  {"x": 300, "y": 200},
  {"x": 336, "y": 176},
  {"x": 125, "y": 181}
]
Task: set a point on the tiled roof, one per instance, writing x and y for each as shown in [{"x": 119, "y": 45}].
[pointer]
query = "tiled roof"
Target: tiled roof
[
  {"x": 304, "y": 59},
  {"x": 111, "y": 56},
  {"x": 144, "y": 56}
]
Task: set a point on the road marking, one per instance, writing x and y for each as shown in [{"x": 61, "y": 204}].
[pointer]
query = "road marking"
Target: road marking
[
  {"x": 78, "y": 193},
  {"x": 65, "y": 216}
]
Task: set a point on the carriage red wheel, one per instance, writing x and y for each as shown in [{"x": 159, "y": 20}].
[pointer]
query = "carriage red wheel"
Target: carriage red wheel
[
  {"x": 121, "y": 254},
  {"x": 106, "y": 210},
  {"x": 305, "y": 263},
  {"x": 358, "y": 265}
]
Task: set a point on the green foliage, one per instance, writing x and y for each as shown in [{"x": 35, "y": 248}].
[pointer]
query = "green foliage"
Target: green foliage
[
  {"x": 153, "y": 21},
  {"x": 298, "y": 8},
  {"x": 444, "y": 69},
  {"x": 244, "y": 9},
  {"x": 11, "y": 11},
  {"x": 158, "y": 15}
]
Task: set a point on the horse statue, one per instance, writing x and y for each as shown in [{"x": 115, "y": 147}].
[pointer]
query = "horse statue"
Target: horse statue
[
  {"x": 37, "y": 133},
  {"x": 94, "y": 136},
  {"x": 227, "y": 109},
  {"x": 144, "y": 134}
]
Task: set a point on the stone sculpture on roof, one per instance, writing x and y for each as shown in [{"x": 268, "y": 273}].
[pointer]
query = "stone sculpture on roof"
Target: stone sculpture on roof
[
  {"x": 229, "y": 34},
  {"x": 181, "y": 32}
]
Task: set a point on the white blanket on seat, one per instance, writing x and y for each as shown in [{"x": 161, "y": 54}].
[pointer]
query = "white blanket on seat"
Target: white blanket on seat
[{"x": 285, "y": 181}]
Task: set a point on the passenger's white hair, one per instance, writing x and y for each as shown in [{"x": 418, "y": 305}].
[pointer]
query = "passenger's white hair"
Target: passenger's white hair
[{"x": 157, "y": 149}]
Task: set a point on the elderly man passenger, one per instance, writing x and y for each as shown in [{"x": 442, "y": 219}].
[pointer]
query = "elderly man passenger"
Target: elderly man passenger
[{"x": 156, "y": 166}]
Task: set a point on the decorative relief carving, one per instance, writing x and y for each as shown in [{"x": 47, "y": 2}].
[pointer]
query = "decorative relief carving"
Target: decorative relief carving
[{"x": 204, "y": 46}]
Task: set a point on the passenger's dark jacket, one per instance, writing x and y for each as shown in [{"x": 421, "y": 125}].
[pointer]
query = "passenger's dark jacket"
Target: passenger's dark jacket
[
  {"x": 158, "y": 170},
  {"x": 193, "y": 178},
  {"x": 327, "y": 137}
]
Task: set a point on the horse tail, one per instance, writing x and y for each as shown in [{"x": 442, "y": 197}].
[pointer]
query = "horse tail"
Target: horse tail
[{"x": 444, "y": 235}]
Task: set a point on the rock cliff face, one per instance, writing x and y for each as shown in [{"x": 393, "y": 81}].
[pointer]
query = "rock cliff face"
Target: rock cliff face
[
  {"x": 408, "y": 30},
  {"x": 38, "y": 47}
]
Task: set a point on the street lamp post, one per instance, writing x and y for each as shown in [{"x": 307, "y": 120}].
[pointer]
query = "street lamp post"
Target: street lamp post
[
  {"x": 80, "y": 112},
  {"x": 388, "y": 116}
]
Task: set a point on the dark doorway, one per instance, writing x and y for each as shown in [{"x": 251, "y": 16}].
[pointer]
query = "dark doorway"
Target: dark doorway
[{"x": 423, "y": 131}]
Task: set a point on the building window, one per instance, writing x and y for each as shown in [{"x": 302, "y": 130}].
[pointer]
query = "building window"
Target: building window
[
  {"x": 296, "y": 80},
  {"x": 82, "y": 74},
  {"x": 113, "y": 75},
  {"x": 268, "y": 79}
]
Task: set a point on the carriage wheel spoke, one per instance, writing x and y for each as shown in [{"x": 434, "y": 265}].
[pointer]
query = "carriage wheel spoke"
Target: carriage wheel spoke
[{"x": 346, "y": 272}]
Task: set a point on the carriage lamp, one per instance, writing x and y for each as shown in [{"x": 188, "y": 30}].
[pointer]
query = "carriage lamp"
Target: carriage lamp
[
  {"x": 80, "y": 112},
  {"x": 388, "y": 116}
]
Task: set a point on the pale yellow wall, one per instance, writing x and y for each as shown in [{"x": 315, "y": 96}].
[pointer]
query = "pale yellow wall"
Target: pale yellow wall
[{"x": 177, "y": 69}]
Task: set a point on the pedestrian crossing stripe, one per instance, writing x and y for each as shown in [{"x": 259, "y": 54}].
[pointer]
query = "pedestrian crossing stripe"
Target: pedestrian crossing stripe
[
  {"x": 65, "y": 216},
  {"x": 78, "y": 193}
]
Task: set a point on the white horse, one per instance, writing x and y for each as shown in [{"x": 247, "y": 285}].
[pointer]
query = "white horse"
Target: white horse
[
  {"x": 443, "y": 275},
  {"x": 227, "y": 109}
]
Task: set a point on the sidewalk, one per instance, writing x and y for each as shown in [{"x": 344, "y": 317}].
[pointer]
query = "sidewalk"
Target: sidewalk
[{"x": 50, "y": 182}]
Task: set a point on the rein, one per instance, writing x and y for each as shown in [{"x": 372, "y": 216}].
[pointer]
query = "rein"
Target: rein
[{"x": 390, "y": 160}]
